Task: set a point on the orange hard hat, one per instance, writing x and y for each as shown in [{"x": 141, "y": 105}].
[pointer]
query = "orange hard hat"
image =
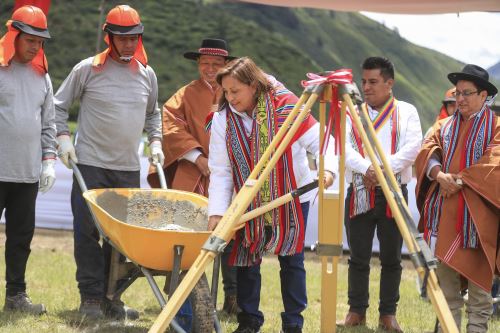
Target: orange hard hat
[
  {"x": 30, "y": 20},
  {"x": 449, "y": 96},
  {"x": 123, "y": 20}
]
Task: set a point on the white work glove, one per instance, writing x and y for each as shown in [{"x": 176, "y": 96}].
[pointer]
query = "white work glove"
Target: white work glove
[
  {"x": 66, "y": 150},
  {"x": 48, "y": 175},
  {"x": 156, "y": 153}
]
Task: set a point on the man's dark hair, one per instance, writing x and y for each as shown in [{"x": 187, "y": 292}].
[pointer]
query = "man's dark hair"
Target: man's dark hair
[
  {"x": 385, "y": 65},
  {"x": 479, "y": 87}
]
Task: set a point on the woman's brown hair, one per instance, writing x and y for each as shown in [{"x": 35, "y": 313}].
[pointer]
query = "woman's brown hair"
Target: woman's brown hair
[{"x": 247, "y": 72}]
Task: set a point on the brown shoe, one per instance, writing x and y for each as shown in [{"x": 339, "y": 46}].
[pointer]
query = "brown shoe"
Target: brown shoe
[
  {"x": 22, "y": 303},
  {"x": 353, "y": 319},
  {"x": 389, "y": 323},
  {"x": 231, "y": 305}
]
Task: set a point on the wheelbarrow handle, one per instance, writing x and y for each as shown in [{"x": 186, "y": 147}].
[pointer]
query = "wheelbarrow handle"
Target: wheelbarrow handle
[
  {"x": 83, "y": 187},
  {"x": 161, "y": 175},
  {"x": 78, "y": 175}
]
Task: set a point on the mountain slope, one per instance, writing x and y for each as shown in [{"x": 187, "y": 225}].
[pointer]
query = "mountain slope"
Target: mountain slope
[
  {"x": 494, "y": 71},
  {"x": 286, "y": 42}
]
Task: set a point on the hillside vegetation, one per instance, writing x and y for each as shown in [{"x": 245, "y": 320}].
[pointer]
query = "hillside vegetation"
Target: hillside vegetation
[{"x": 286, "y": 42}]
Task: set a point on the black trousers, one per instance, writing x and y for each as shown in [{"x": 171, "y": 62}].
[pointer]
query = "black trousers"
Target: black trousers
[
  {"x": 92, "y": 259},
  {"x": 18, "y": 200},
  {"x": 360, "y": 231}
]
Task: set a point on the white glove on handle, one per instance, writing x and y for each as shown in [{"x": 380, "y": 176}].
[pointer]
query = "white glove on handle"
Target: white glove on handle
[
  {"x": 48, "y": 175},
  {"x": 66, "y": 150},
  {"x": 156, "y": 153}
]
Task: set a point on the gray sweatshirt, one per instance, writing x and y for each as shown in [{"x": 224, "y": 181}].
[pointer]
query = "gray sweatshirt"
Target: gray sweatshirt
[
  {"x": 117, "y": 102},
  {"x": 27, "y": 128}
]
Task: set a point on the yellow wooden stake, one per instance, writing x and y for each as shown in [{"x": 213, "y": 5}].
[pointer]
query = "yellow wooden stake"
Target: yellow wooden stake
[{"x": 330, "y": 218}]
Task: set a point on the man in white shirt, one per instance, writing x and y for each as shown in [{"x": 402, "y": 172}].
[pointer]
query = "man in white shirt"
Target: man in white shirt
[{"x": 398, "y": 129}]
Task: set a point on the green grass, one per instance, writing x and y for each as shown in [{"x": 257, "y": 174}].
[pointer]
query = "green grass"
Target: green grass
[{"x": 51, "y": 271}]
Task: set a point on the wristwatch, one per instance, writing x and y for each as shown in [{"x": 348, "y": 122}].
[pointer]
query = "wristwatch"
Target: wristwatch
[{"x": 459, "y": 182}]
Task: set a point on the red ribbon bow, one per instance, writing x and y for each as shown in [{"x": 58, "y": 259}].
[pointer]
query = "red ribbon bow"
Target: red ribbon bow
[{"x": 340, "y": 76}]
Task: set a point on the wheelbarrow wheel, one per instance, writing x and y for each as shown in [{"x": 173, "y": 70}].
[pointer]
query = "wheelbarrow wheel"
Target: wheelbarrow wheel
[{"x": 202, "y": 306}]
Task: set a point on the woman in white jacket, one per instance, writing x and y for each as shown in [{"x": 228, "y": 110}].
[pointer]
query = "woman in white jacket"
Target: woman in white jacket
[{"x": 253, "y": 107}]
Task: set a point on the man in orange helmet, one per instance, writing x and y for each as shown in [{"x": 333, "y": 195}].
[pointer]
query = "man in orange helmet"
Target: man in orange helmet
[
  {"x": 118, "y": 92},
  {"x": 27, "y": 139},
  {"x": 448, "y": 107},
  {"x": 449, "y": 104}
]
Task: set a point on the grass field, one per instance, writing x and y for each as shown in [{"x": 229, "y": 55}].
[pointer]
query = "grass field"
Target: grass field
[{"x": 51, "y": 271}]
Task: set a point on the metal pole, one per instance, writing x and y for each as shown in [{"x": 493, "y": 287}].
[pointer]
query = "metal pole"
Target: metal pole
[{"x": 99, "y": 27}]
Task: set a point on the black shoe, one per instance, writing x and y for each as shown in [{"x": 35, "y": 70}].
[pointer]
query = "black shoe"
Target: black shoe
[
  {"x": 246, "y": 329},
  {"x": 22, "y": 303},
  {"x": 116, "y": 309},
  {"x": 247, "y": 324},
  {"x": 91, "y": 308},
  {"x": 294, "y": 329}
]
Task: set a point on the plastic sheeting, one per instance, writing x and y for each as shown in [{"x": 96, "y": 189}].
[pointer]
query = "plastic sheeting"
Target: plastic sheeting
[{"x": 53, "y": 209}]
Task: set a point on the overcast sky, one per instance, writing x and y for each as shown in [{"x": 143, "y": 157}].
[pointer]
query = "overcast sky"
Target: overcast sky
[{"x": 469, "y": 37}]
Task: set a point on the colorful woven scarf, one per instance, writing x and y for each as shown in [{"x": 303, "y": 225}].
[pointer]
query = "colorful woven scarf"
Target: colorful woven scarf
[
  {"x": 280, "y": 230},
  {"x": 362, "y": 199},
  {"x": 477, "y": 139}
]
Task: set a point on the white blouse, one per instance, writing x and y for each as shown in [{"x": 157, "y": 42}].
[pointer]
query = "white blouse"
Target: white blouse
[
  {"x": 410, "y": 139},
  {"x": 221, "y": 180}
]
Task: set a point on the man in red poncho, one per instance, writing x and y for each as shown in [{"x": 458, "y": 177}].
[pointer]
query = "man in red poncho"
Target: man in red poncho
[
  {"x": 186, "y": 140},
  {"x": 458, "y": 195}
]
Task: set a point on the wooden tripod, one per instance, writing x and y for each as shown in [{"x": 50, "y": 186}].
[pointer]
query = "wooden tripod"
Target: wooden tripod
[{"x": 231, "y": 219}]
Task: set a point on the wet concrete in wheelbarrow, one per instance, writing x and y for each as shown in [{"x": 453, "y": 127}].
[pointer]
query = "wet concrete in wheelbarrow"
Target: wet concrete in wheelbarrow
[{"x": 145, "y": 210}]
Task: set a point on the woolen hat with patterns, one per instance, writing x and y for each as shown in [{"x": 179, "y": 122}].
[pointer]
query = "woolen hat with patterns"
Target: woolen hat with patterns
[
  {"x": 474, "y": 74},
  {"x": 210, "y": 46}
]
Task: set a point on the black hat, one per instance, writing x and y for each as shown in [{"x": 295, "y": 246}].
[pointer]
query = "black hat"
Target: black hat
[
  {"x": 210, "y": 46},
  {"x": 474, "y": 74}
]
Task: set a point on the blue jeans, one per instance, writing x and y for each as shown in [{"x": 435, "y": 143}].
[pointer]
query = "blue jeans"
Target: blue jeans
[
  {"x": 293, "y": 289},
  {"x": 228, "y": 272}
]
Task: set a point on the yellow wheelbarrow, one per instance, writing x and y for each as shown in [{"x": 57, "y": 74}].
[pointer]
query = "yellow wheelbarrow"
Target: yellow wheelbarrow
[{"x": 161, "y": 232}]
